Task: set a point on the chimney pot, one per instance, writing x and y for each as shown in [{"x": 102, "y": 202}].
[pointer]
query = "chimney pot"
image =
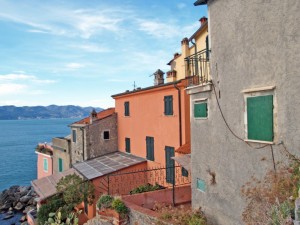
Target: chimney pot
[
  {"x": 185, "y": 41},
  {"x": 203, "y": 20}
]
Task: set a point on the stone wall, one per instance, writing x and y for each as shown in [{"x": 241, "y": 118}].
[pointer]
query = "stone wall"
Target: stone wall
[{"x": 96, "y": 144}]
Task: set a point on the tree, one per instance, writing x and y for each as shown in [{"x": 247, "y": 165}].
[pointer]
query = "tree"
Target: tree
[{"x": 75, "y": 190}]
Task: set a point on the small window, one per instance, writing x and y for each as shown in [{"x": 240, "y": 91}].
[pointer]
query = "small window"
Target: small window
[
  {"x": 260, "y": 118},
  {"x": 106, "y": 135},
  {"x": 201, "y": 185},
  {"x": 200, "y": 109},
  {"x": 127, "y": 145},
  {"x": 184, "y": 172},
  {"x": 168, "y": 101},
  {"x": 60, "y": 165},
  {"x": 45, "y": 166},
  {"x": 126, "y": 109},
  {"x": 74, "y": 135},
  {"x": 150, "y": 148}
]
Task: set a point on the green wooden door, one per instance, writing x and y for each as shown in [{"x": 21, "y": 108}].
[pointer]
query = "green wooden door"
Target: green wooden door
[
  {"x": 169, "y": 152},
  {"x": 260, "y": 118},
  {"x": 60, "y": 165}
]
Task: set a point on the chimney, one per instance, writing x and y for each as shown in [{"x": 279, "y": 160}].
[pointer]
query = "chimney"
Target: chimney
[
  {"x": 176, "y": 55},
  {"x": 185, "y": 47},
  {"x": 158, "y": 77},
  {"x": 93, "y": 116},
  {"x": 203, "y": 20}
]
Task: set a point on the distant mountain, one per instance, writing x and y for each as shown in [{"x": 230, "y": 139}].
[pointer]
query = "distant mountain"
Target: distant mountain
[{"x": 11, "y": 112}]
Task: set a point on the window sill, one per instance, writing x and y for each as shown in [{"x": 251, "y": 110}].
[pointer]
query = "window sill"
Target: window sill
[
  {"x": 259, "y": 142},
  {"x": 197, "y": 118}
]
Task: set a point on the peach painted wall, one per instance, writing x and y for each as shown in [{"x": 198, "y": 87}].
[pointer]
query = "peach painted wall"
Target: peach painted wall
[
  {"x": 40, "y": 165},
  {"x": 147, "y": 119}
]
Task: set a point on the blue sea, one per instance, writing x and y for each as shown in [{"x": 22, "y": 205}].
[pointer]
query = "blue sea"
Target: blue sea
[{"x": 18, "y": 139}]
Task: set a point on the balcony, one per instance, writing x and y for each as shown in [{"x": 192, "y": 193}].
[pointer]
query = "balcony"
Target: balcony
[{"x": 197, "y": 68}]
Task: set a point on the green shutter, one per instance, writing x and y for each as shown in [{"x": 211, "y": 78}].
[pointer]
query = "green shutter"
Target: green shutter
[
  {"x": 127, "y": 145},
  {"x": 184, "y": 172},
  {"x": 46, "y": 165},
  {"x": 201, "y": 185},
  {"x": 126, "y": 108},
  {"x": 170, "y": 172},
  {"x": 60, "y": 165},
  {"x": 150, "y": 148},
  {"x": 260, "y": 118},
  {"x": 200, "y": 110},
  {"x": 168, "y": 105}
]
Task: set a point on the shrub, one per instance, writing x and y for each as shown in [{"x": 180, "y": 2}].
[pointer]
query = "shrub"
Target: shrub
[
  {"x": 119, "y": 206},
  {"x": 145, "y": 188},
  {"x": 105, "y": 201}
]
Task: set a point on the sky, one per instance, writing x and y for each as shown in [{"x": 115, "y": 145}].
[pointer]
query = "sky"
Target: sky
[{"x": 80, "y": 52}]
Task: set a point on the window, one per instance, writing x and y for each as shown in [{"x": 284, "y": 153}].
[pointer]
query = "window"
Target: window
[
  {"x": 201, "y": 185},
  {"x": 45, "y": 165},
  {"x": 168, "y": 101},
  {"x": 150, "y": 148},
  {"x": 260, "y": 118},
  {"x": 200, "y": 109},
  {"x": 60, "y": 165},
  {"x": 184, "y": 172},
  {"x": 106, "y": 135},
  {"x": 127, "y": 145},
  {"x": 170, "y": 172},
  {"x": 74, "y": 135},
  {"x": 126, "y": 109}
]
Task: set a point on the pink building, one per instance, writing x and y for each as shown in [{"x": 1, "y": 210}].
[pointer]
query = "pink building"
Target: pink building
[{"x": 44, "y": 160}]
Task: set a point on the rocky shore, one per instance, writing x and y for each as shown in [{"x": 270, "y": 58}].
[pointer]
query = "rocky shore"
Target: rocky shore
[{"x": 17, "y": 199}]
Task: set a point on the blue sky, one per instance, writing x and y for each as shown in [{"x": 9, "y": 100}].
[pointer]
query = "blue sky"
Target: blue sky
[{"x": 80, "y": 52}]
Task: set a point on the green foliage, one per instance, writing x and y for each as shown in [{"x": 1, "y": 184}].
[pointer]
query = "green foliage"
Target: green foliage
[
  {"x": 105, "y": 201},
  {"x": 51, "y": 206},
  {"x": 58, "y": 219},
  {"x": 119, "y": 206},
  {"x": 75, "y": 190},
  {"x": 281, "y": 213},
  {"x": 145, "y": 188}
]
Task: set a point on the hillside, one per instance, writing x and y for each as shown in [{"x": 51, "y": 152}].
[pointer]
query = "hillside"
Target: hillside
[{"x": 44, "y": 112}]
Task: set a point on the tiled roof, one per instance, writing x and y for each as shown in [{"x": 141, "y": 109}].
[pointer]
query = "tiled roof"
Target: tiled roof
[
  {"x": 107, "y": 164},
  {"x": 100, "y": 115},
  {"x": 184, "y": 149},
  {"x": 46, "y": 186}
]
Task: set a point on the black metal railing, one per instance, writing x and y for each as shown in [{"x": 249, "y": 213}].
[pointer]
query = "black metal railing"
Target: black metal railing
[
  {"x": 123, "y": 183},
  {"x": 197, "y": 67}
]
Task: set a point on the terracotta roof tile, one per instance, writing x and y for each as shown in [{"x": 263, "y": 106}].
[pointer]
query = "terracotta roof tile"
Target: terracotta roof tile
[
  {"x": 184, "y": 149},
  {"x": 100, "y": 115}
]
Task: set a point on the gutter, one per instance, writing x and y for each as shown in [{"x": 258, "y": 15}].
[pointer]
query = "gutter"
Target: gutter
[
  {"x": 196, "y": 59},
  {"x": 179, "y": 112}
]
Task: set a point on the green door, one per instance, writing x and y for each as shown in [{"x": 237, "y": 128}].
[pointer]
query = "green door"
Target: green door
[
  {"x": 60, "y": 165},
  {"x": 169, "y": 164}
]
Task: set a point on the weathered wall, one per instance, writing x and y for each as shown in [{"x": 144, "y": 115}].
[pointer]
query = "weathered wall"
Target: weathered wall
[
  {"x": 61, "y": 149},
  {"x": 77, "y": 154},
  {"x": 96, "y": 145},
  {"x": 40, "y": 165},
  {"x": 253, "y": 44}
]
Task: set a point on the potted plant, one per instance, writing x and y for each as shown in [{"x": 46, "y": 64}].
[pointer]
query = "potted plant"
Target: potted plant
[{"x": 112, "y": 208}]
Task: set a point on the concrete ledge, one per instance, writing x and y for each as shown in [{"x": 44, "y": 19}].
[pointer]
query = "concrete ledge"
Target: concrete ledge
[
  {"x": 198, "y": 89},
  {"x": 267, "y": 88}
]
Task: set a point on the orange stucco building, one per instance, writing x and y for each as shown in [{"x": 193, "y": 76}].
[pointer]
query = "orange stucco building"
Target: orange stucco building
[{"x": 153, "y": 122}]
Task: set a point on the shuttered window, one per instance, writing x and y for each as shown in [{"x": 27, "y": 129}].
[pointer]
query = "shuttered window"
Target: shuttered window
[
  {"x": 127, "y": 145},
  {"x": 184, "y": 172},
  {"x": 45, "y": 165},
  {"x": 150, "y": 148},
  {"x": 201, "y": 185},
  {"x": 168, "y": 101},
  {"x": 170, "y": 172},
  {"x": 200, "y": 109},
  {"x": 74, "y": 135},
  {"x": 126, "y": 109},
  {"x": 60, "y": 165},
  {"x": 260, "y": 118}
]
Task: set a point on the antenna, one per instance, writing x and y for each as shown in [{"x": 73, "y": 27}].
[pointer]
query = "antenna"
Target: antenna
[{"x": 134, "y": 86}]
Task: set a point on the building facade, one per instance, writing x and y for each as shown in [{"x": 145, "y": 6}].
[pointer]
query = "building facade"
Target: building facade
[
  {"x": 61, "y": 153},
  {"x": 245, "y": 117},
  {"x": 153, "y": 122},
  {"x": 94, "y": 136},
  {"x": 44, "y": 160}
]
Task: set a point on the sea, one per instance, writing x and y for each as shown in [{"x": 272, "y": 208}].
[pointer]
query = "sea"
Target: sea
[{"x": 18, "y": 139}]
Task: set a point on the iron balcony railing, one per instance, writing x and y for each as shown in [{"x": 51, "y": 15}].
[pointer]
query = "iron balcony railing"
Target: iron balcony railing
[{"x": 197, "y": 68}]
